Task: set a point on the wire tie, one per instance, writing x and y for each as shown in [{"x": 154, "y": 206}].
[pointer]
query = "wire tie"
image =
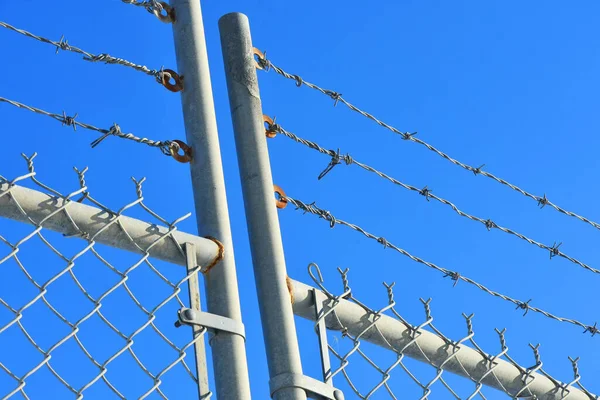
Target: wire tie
[
  {"x": 298, "y": 79},
  {"x": 329, "y": 217},
  {"x": 335, "y": 160},
  {"x": 114, "y": 130}
]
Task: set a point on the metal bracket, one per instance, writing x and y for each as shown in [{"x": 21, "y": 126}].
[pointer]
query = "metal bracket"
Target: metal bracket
[
  {"x": 212, "y": 322},
  {"x": 315, "y": 389},
  {"x": 321, "y": 329}
]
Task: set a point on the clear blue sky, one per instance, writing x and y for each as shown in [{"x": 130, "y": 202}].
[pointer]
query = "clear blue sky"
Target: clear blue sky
[{"x": 513, "y": 85}]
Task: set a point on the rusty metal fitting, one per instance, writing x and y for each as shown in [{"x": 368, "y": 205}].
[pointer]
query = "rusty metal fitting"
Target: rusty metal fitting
[
  {"x": 260, "y": 55},
  {"x": 290, "y": 288},
  {"x": 218, "y": 257},
  {"x": 186, "y": 157},
  {"x": 166, "y": 77},
  {"x": 270, "y": 131},
  {"x": 281, "y": 202},
  {"x": 168, "y": 17}
]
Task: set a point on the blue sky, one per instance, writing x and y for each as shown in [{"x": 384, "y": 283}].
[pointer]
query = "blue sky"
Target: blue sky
[{"x": 513, "y": 85}]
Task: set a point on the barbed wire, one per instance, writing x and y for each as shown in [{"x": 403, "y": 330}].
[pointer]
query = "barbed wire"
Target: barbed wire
[
  {"x": 166, "y": 146},
  {"x": 454, "y": 275},
  {"x": 337, "y": 158},
  {"x": 155, "y": 7},
  {"x": 162, "y": 76},
  {"x": 542, "y": 201},
  {"x": 484, "y": 372}
]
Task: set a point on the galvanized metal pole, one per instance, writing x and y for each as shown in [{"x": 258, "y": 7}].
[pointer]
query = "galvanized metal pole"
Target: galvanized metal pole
[
  {"x": 279, "y": 329},
  {"x": 228, "y": 350}
]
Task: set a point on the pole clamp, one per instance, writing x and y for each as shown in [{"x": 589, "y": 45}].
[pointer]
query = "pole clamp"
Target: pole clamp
[
  {"x": 212, "y": 322},
  {"x": 315, "y": 389}
]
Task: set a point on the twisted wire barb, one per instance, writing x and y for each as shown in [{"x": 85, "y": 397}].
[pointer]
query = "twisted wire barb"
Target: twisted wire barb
[
  {"x": 455, "y": 276},
  {"x": 542, "y": 201},
  {"x": 338, "y": 158},
  {"x": 63, "y": 44},
  {"x": 165, "y": 146}
]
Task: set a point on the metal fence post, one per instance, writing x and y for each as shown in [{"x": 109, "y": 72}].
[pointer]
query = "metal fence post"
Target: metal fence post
[
  {"x": 228, "y": 350},
  {"x": 278, "y": 324}
]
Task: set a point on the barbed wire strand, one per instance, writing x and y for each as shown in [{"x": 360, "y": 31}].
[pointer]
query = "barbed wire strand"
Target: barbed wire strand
[
  {"x": 149, "y": 5},
  {"x": 63, "y": 44},
  {"x": 455, "y": 276},
  {"x": 165, "y": 146},
  {"x": 337, "y": 97},
  {"x": 153, "y": 7},
  {"x": 338, "y": 158}
]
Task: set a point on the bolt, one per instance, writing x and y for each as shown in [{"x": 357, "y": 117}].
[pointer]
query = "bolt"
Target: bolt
[
  {"x": 189, "y": 314},
  {"x": 338, "y": 395}
]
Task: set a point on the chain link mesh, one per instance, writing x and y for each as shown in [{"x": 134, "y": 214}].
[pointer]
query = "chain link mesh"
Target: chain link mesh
[
  {"x": 77, "y": 316},
  {"x": 351, "y": 349}
]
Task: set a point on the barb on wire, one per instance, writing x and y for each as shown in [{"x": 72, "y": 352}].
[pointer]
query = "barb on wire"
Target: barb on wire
[
  {"x": 542, "y": 201},
  {"x": 385, "y": 327},
  {"x": 161, "y": 9},
  {"x": 167, "y": 147},
  {"x": 455, "y": 276},
  {"x": 337, "y": 158},
  {"x": 162, "y": 76}
]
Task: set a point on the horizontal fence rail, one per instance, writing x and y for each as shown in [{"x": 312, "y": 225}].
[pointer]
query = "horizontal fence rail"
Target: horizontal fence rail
[
  {"x": 79, "y": 317},
  {"x": 59, "y": 215},
  {"x": 424, "y": 343}
]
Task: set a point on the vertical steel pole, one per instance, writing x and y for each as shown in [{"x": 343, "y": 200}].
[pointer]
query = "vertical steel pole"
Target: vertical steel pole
[
  {"x": 283, "y": 354},
  {"x": 212, "y": 214}
]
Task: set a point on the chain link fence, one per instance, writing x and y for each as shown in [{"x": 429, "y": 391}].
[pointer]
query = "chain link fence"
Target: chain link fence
[
  {"x": 90, "y": 297},
  {"x": 79, "y": 317},
  {"x": 446, "y": 368}
]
